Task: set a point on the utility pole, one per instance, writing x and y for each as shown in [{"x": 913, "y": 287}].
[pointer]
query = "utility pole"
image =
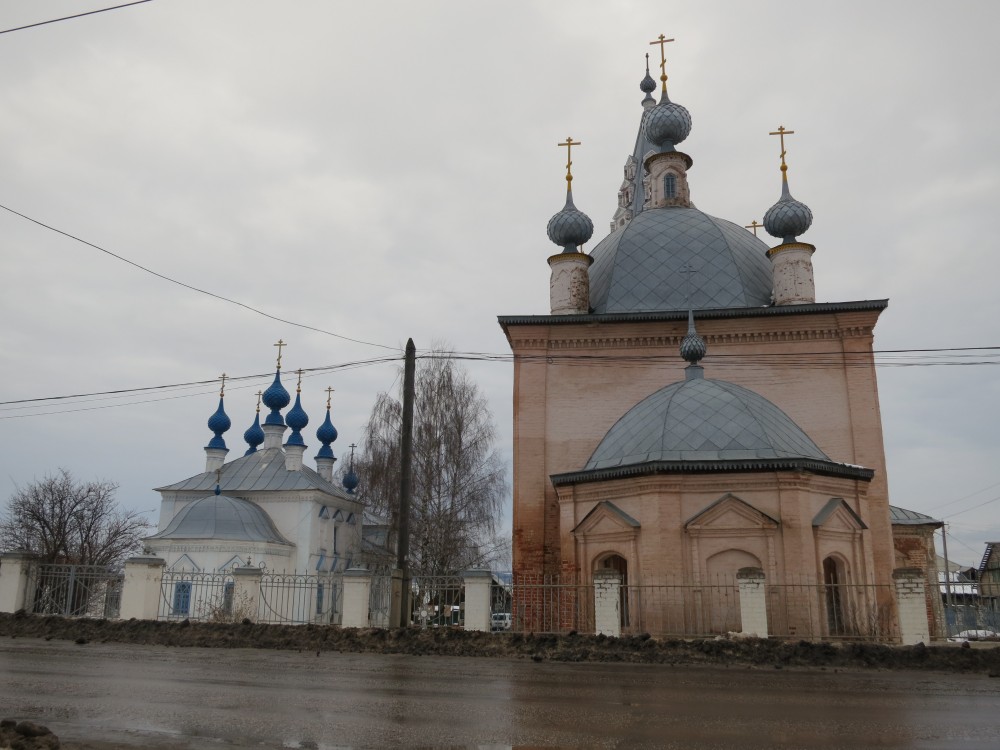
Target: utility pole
[
  {"x": 949, "y": 600},
  {"x": 405, "y": 487}
]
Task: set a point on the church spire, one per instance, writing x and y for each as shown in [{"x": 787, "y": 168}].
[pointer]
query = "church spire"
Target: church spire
[
  {"x": 569, "y": 283},
  {"x": 791, "y": 261}
]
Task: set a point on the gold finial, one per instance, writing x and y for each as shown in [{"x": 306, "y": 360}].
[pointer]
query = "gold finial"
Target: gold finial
[
  {"x": 754, "y": 226},
  {"x": 222, "y": 390},
  {"x": 259, "y": 394},
  {"x": 329, "y": 393},
  {"x": 663, "y": 59},
  {"x": 569, "y": 143},
  {"x": 781, "y": 132},
  {"x": 298, "y": 386},
  {"x": 279, "y": 345}
]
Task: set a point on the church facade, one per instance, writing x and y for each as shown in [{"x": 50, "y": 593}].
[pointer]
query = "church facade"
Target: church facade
[{"x": 688, "y": 409}]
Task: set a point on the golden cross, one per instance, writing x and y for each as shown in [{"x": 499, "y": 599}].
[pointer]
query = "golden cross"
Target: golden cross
[
  {"x": 329, "y": 393},
  {"x": 569, "y": 143},
  {"x": 222, "y": 390},
  {"x": 754, "y": 226},
  {"x": 663, "y": 59},
  {"x": 298, "y": 386},
  {"x": 259, "y": 394},
  {"x": 782, "y": 133},
  {"x": 279, "y": 345}
]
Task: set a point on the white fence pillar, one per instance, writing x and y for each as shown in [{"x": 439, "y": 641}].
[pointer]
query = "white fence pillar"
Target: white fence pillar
[
  {"x": 911, "y": 600},
  {"x": 357, "y": 595},
  {"x": 753, "y": 602},
  {"x": 15, "y": 572},
  {"x": 396, "y": 600},
  {"x": 477, "y": 599},
  {"x": 607, "y": 602},
  {"x": 246, "y": 590},
  {"x": 141, "y": 588}
]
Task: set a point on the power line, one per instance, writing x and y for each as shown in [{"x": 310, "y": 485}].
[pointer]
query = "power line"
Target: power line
[
  {"x": 78, "y": 15},
  {"x": 193, "y": 288}
]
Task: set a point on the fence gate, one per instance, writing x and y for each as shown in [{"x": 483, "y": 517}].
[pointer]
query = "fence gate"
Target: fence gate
[{"x": 77, "y": 590}]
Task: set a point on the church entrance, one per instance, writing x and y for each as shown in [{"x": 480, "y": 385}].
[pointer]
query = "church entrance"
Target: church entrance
[
  {"x": 834, "y": 578},
  {"x": 619, "y": 564}
]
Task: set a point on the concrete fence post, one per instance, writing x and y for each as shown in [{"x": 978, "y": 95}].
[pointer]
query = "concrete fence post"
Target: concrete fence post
[
  {"x": 911, "y": 600},
  {"x": 396, "y": 598},
  {"x": 246, "y": 590},
  {"x": 357, "y": 595},
  {"x": 15, "y": 573},
  {"x": 753, "y": 602},
  {"x": 607, "y": 603},
  {"x": 141, "y": 588},
  {"x": 477, "y": 599}
]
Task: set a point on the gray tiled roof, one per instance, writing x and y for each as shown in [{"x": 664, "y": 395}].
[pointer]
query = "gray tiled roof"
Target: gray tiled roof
[
  {"x": 263, "y": 470},
  {"x": 637, "y": 267},
  {"x": 222, "y": 517},
  {"x": 904, "y": 517},
  {"x": 703, "y": 420}
]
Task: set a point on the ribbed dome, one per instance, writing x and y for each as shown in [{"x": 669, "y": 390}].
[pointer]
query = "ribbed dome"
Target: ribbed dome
[
  {"x": 254, "y": 435},
  {"x": 787, "y": 218},
  {"x": 667, "y": 124},
  {"x": 637, "y": 268},
  {"x": 218, "y": 423},
  {"x": 222, "y": 517},
  {"x": 276, "y": 398},
  {"x": 326, "y": 433},
  {"x": 297, "y": 419},
  {"x": 703, "y": 420}
]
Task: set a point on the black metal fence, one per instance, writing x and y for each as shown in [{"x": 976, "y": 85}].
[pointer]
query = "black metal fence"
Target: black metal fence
[{"x": 76, "y": 590}]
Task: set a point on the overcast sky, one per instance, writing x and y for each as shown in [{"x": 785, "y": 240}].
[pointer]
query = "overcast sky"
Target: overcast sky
[{"x": 386, "y": 170}]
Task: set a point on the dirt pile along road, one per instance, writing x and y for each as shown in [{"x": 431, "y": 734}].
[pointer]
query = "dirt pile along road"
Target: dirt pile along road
[{"x": 456, "y": 642}]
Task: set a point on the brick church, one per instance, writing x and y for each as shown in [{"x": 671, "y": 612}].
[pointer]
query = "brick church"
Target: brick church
[{"x": 688, "y": 409}]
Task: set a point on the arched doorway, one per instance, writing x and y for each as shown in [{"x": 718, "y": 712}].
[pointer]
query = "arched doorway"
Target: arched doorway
[
  {"x": 834, "y": 580},
  {"x": 718, "y": 610},
  {"x": 618, "y": 564}
]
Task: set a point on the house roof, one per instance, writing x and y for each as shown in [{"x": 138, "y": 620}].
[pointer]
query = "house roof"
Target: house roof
[
  {"x": 261, "y": 471},
  {"x": 903, "y": 517}
]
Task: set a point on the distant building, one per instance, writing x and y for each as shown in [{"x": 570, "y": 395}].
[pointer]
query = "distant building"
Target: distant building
[
  {"x": 913, "y": 542},
  {"x": 266, "y": 508}
]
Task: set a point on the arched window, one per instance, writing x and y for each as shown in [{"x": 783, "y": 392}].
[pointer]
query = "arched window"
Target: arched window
[{"x": 670, "y": 185}]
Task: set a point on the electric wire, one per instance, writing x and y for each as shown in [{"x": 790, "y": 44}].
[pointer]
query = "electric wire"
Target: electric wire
[
  {"x": 193, "y": 288},
  {"x": 78, "y": 15}
]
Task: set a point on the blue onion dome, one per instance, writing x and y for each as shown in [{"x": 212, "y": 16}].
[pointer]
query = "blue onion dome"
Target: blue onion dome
[
  {"x": 571, "y": 227},
  {"x": 787, "y": 218},
  {"x": 667, "y": 124},
  {"x": 350, "y": 481},
  {"x": 297, "y": 419},
  {"x": 254, "y": 435},
  {"x": 326, "y": 434},
  {"x": 218, "y": 423},
  {"x": 276, "y": 398}
]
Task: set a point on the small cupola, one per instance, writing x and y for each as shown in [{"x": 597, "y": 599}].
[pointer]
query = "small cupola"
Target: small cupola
[
  {"x": 218, "y": 423},
  {"x": 666, "y": 125},
  {"x": 297, "y": 419},
  {"x": 275, "y": 398},
  {"x": 569, "y": 283},
  {"x": 326, "y": 434},
  {"x": 254, "y": 435}
]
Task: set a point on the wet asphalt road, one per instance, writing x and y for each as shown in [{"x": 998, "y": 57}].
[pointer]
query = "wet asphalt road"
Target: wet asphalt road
[{"x": 113, "y": 696}]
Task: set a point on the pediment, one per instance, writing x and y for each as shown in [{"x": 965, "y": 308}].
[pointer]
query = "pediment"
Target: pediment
[
  {"x": 606, "y": 518},
  {"x": 730, "y": 512},
  {"x": 184, "y": 562},
  {"x": 837, "y": 515}
]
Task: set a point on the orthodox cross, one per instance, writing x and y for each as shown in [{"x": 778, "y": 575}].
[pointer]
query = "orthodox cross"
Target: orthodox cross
[
  {"x": 781, "y": 132},
  {"x": 687, "y": 269},
  {"x": 279, "y": 345},
  {"x": 754, "y": 226},
  {"x": 352, "y": 446},
  {"x": 259, "y": 394},
  {"x": 329, "y": 394},
  {"x": 569, "y": 143},
  {"x": 298, "y": 386},
  {"x": 663, "y": 59},
  {"x": 222, "y": 390}
]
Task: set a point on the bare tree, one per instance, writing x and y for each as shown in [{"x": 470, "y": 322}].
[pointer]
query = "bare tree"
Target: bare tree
[
  {"x": 459, "y": 478},
  {"x": 66, "y": 521}
]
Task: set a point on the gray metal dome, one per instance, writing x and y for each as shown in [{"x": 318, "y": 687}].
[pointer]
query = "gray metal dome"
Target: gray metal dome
[
  {"x": 222, "y": 517},
  {"x": 667, "y": 124},
  {"x": 787, "y": 218},
  {"x": 571, "y": 227},
  {"x": 637, "y": 268},
  {"x": 703, "y": 420}
]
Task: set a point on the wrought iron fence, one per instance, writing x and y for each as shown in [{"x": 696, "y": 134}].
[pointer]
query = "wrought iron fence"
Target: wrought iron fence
[
  {"x": 544, "y": 604},
  {"x": 675, "y": 607},
  {"x": 298, "y": 598},
  {"x": 76, "y": 590},
  {"x": 437, "y": 600},
  {"x": 194, "y": 595},
  {"x": 804, "y": 608}
]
